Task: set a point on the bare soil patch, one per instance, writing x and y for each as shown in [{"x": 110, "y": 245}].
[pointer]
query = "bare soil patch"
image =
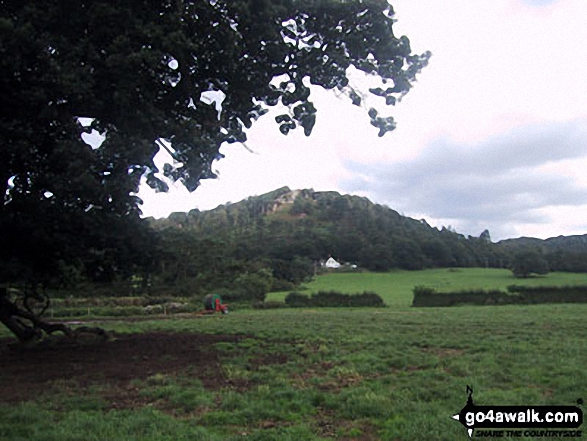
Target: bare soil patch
[{"x": 26, "y": 373}]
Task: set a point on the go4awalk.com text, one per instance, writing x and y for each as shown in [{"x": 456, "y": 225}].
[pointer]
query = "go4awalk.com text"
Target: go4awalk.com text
[
  {"x": 520, "y": 421},
  {"x": 528, "y": 433}
]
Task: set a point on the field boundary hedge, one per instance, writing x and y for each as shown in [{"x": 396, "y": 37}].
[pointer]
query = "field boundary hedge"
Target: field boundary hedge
[
  {"x": 120, "y": 306},
  {"x": 515, "y": 295},
  {"x": 334, "y": 299}
]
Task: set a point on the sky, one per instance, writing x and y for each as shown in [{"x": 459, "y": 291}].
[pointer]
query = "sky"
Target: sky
[{"x": 493, "y": 134}]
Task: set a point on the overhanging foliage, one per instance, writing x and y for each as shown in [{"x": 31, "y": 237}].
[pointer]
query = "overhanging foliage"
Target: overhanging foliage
[{"x": 185, "y": 76}]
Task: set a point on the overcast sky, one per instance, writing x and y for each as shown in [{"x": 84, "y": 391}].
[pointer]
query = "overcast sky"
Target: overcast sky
[{"x": 493, "y": 135}]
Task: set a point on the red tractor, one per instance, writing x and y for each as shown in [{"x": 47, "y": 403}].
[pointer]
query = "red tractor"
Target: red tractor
[{"x": 213, "y": 303}]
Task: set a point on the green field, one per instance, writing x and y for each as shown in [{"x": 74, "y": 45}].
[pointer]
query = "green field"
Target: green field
[
  {"x": 395, "y": 373},
  {"x": 396, "y": 287}
]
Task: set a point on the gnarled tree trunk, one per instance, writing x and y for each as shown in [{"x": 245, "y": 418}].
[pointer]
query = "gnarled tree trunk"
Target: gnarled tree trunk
[{"x": 28, "y": 326}]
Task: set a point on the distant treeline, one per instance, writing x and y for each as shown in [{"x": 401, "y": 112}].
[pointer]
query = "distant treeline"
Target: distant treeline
[
  {"x": 278, "y": 240},
  {"x": 281, "y": 237}
]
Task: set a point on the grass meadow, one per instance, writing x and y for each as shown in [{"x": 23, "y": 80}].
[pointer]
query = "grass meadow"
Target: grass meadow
[
  {"x": 395, "y": 373},
  {"x": 395, "y": 287}
]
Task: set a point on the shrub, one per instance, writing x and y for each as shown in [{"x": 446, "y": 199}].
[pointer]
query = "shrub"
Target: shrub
[
  {"x": 97, "y": 311},
  {"x": 121, "y": 306},
  {"x": 252, "y": 286},
  {"x": 329, "y": 298},
  {"x": 271, "y": 304},
  {"x": 424, "y": 296},
  {"x": 334, "y": 299},
  {"x": 550, "y": 294},
  {"x": 524, "y": 295},
  {"x": 297, "y": 300},
  {"x": 147, "y": 301},
  {"x": 281, "y": 285},
  {"x": 368, "y": 298},
  {"x": 526, "y": 263}
]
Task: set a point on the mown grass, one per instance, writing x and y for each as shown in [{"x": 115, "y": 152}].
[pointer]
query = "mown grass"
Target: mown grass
[
  {"x": 396, "y": 287},
  {"x": 395, "y": 373}
]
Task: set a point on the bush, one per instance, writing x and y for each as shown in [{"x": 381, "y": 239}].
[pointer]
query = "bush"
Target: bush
[
  {"x": 281, "y": 285},
  {"x": 550, "y": 294},
  {"x": 252, "y": 286},
  {"x": 297, "y": 300},
  {"x": 334, "y": 299},
  {"x": 429, "y": 297},
  {"x": 271, "y": 304},
  {"x": 97, "y": 311},
  {"x": 526, "y": 263},
  {"x": 522, "y": 295},
  {"x": 120, "y": 306},
  {"x": 330, "y": 298},
  {"x": 367, "y": 299}
]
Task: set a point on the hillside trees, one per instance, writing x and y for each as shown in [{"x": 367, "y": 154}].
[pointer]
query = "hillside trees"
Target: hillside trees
[
  {"x": 562, "y": 253},
  {"x": 528, "y": 262},
  {"x": 567, "y": 260},
  {"x": 372, "y": 236},
  {"x": 147, "y": 76}
]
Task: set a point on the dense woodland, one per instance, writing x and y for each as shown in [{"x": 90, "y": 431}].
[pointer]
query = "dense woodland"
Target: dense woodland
[{"x": 278, "y": 240}]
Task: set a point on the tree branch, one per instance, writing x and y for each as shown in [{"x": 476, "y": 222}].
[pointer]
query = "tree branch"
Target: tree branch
[{"x": 15, "y": 319}]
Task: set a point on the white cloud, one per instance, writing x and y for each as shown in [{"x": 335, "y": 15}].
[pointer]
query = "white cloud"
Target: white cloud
[
  {"x": 505, "y": 88},
  {"x": 499, "y": 183}
]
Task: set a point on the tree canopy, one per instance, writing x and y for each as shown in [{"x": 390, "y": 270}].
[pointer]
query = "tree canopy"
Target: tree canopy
[
  {"x": 141, "y": 71},
  {"x": 185, "y": 76},
  {"x": 528, "y": 262}
]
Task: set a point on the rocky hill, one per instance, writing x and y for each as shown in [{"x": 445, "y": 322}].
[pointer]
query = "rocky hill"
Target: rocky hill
[
  {"x": 305, "y": 223},
  {"x": 280, "y": 238}
]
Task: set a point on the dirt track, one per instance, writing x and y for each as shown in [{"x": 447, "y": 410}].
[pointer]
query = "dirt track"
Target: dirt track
[{"x": 25, "y": 373}]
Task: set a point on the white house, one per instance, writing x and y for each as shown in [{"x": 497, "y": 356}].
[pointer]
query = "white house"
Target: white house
[{"x": 331, "y": 263}]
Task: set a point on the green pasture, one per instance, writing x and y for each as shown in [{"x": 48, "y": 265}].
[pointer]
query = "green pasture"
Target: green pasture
[
  {"x": 396, "y": 287},
  {"x": 395, "y": 373}
]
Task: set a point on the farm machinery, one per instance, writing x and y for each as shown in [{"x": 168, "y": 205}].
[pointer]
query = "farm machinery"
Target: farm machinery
[{"x": 213, "y": 303}]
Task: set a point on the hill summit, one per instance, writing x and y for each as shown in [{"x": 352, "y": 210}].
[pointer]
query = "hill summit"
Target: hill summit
[
  {"x": 281, "y": 237},
  {"x": 285, "y": 224}
]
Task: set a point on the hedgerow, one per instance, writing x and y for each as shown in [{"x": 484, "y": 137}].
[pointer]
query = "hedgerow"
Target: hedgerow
[
  {"x": 334, "y": 299},
  {"x": 519, "y": 295}
]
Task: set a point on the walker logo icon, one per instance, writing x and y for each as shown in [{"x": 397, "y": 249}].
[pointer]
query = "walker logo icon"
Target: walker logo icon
[{"x": 484, "y": 420}]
